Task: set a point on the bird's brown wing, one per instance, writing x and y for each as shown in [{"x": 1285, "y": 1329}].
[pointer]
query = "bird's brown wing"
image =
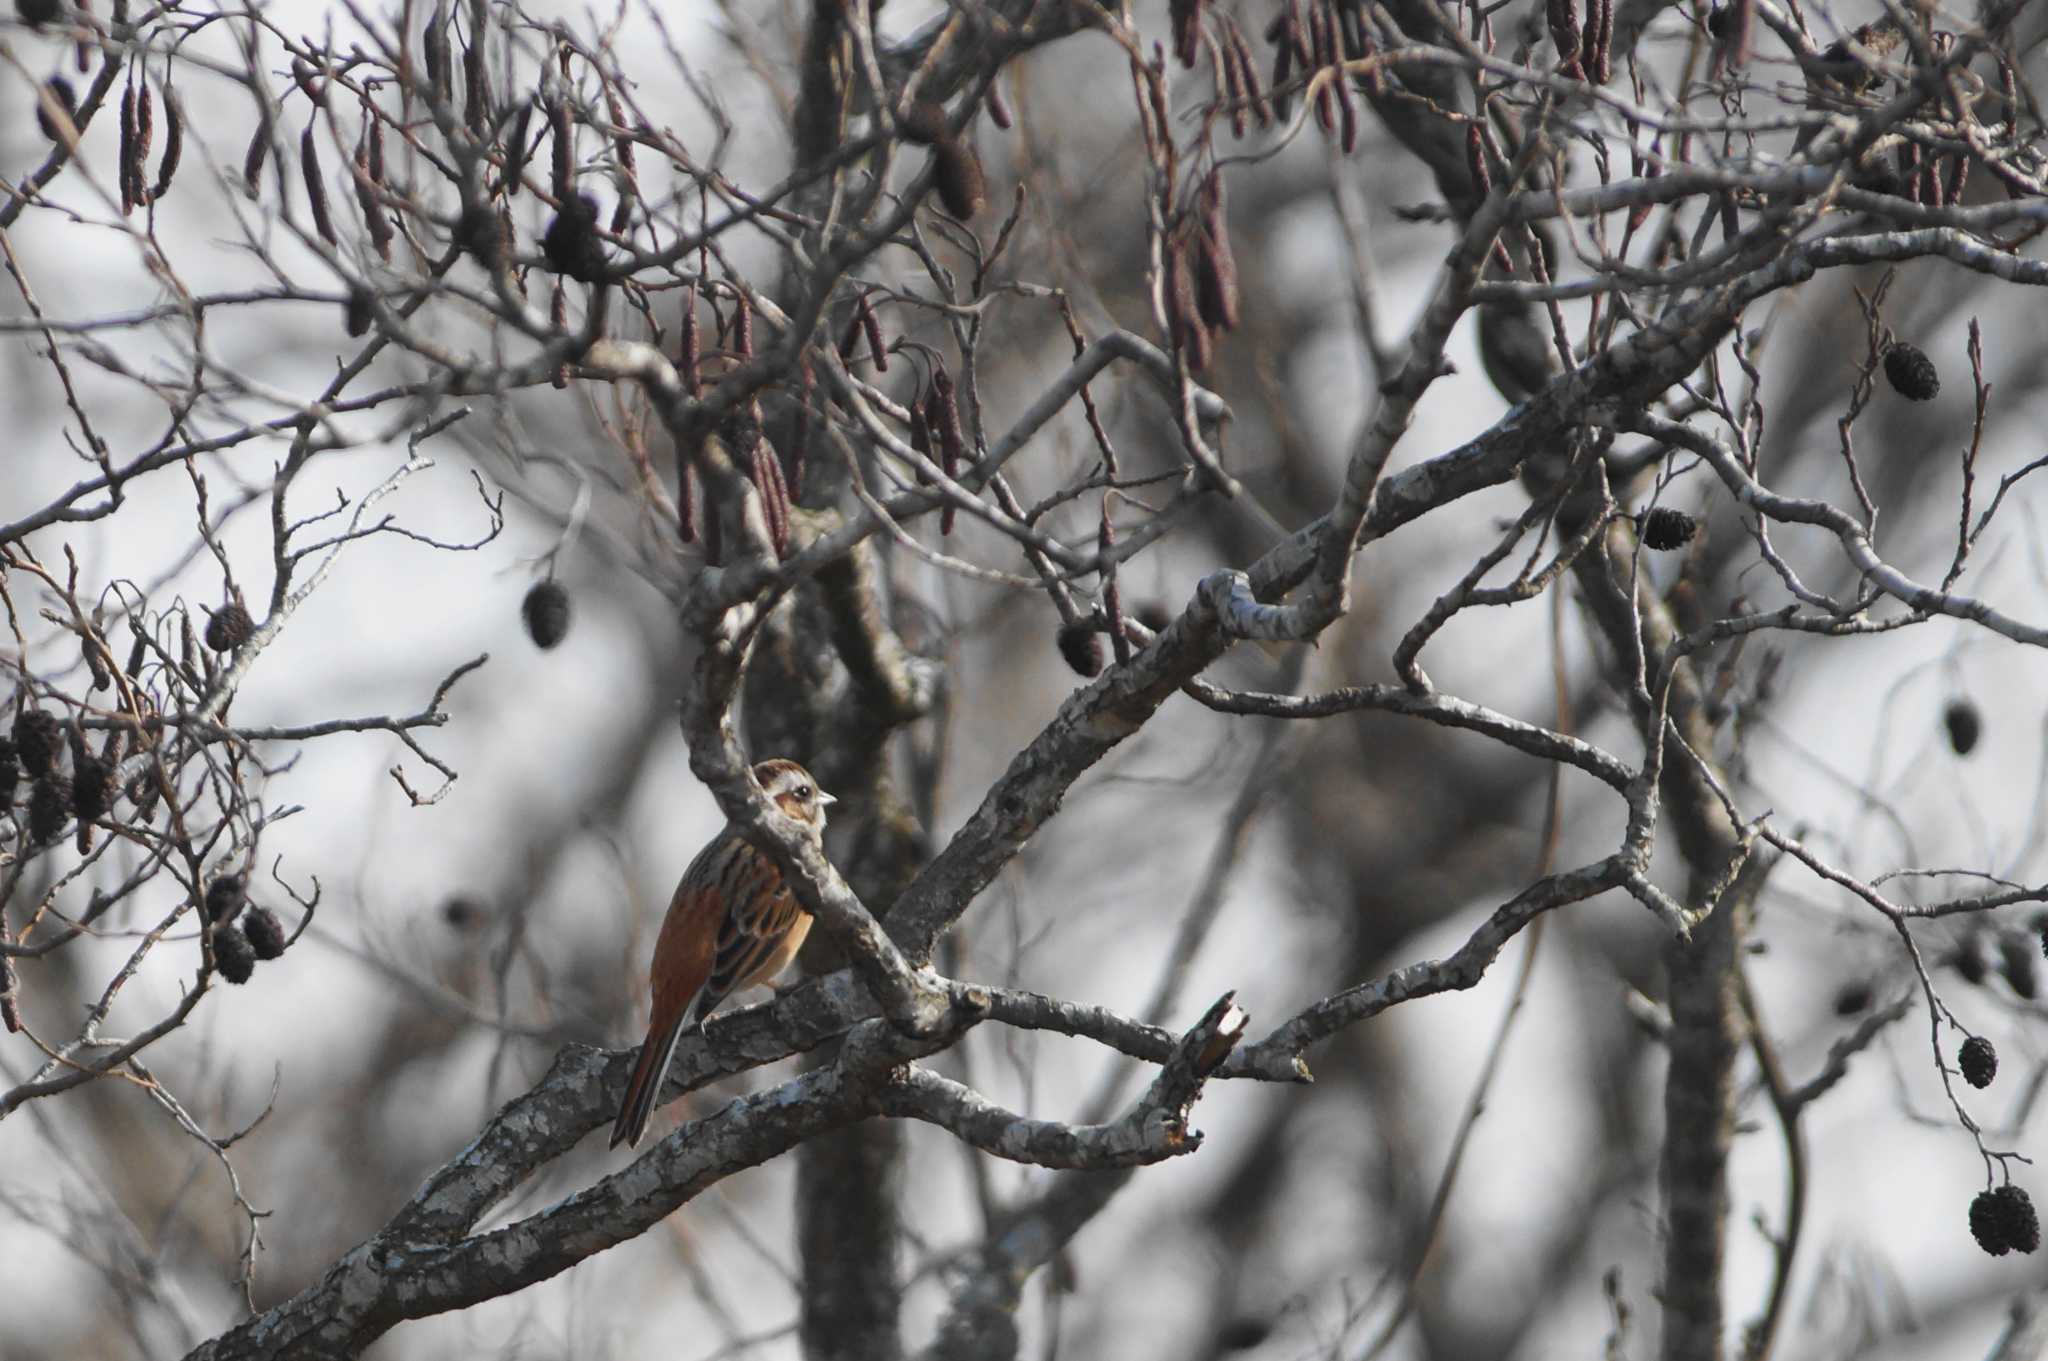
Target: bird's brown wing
[
  {"x": 683, "y": 956},
  {"x": 762, "y": 916}
]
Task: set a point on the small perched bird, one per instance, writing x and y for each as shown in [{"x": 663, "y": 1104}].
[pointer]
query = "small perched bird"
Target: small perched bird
[{"x": 733, "y": 923}]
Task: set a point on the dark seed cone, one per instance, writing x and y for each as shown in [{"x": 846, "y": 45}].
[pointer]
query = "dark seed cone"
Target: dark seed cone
[
  {"x": 37, "y": 740},
  {"x": 2003, "y": 1220},
  {"x": 1852, "y": 999},
  {"x": 36, "y": 13},
  {"x": 265, "y": 933},
  {"x": 546, "y": 611},
  {"x": 1987, "y": 1226},
  {"x": 1082, "y": 647},
  {"x": 462, "y": 913},
  {"x": 229, "y": 628},
  {"x": 1911, "y": 373},
  {"x": 10, "y": 773},
  {"x": 1666, "y": 528},
  {"x": 2016, "y": 962},
  {"x": 224, "y": 898},
  {"x": 356, "y": 315},
  {"x": 233, "y": 955},
  {"x": 957, "y": 173},
  {"x": 1964, "y": 726},
  {"x": 1969, "y": 960},
  {"x": 480, "y": 232},
  {"x": 1978, "y": 1061},
  {"x": 571, "y": 245},
  {"x": 92, "y": 788},
  {"x": 924, "y": 123},
  {"x": 65, "y": 97},
  {"x": 2022, "y": 1225},
  {"x": 49, "y": 808}
]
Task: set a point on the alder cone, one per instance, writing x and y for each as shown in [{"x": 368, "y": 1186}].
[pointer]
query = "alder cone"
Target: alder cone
[
  {"x": 571, "y": 244},
  {"x": 1666, "y": 528},
  {"x": 229, "y": 628},
  {"x": 1911, "y": 373},
  {"x": 481, "y": 233},
  {"x": 356, "y": 315},
  {"x": 957, "y": 172},
  {"x": 36, "y": 741},
  {"x": 2016, "y": 963},
  {"x": 546, "y": 611},
  {"x": 1082, "y": 647},
  {"x": 92, "y": 788},
  {"x": 2003, "y": 1220},
  {"x": 49, "y": 808},
  {"x": 1964, "y": 726},
  {"x": 224, "y": 897},
  {"x": 233, "y": 955},
  {"x": 1978, "y": 1061},
  {"x": 265, "y": 932}
]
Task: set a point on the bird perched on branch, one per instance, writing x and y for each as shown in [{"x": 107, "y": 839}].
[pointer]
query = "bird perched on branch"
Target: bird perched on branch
[{"x": 732, "y": 923}]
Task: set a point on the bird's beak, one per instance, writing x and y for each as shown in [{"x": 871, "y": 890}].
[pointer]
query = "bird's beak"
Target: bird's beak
[{"x": 824, "y": 798}]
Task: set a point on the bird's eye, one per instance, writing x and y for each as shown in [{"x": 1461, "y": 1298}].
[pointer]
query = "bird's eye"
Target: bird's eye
[{"x": 802, "y": 791}]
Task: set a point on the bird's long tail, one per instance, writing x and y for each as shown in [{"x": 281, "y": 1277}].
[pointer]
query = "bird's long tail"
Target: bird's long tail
[{"x": 648, "y": 1075}]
